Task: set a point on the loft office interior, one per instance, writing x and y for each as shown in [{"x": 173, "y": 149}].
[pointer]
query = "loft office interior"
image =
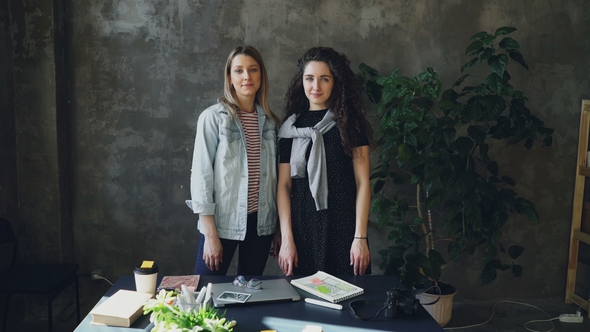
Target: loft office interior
[{"x": 100, "y": 103}]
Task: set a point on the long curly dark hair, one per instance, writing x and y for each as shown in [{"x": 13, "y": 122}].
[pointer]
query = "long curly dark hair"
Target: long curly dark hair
[{"x": 345, "y": 101}]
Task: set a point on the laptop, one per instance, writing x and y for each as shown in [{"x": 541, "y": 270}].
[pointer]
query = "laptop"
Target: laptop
[{"x": 273, "y": 290}]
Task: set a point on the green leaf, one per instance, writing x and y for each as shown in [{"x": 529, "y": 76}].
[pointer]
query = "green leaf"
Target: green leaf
[
  {"x": 460, "y": 80},
  {"x": 388, "y": 94},
  {"x": 417, "y": 221},
  {"x": 378, "y": 174},
  {"x": 436, "y": 257},
  {"x": 474, "y": 46},
  {"x": 517, "y": 270},
  {"x": 493, "y": 264},
  {"x": 469, "y": 64},
  {"x": 516, "y": 56},
  {"x": 415, "y": 179},
  {"x": 429, "y": 91},
  {"x": 487, "y": 53},
  {"x": 493, "y": 168},
  {"x": 504, "y": 31},
  {"x": 547, "y": 141},
  {"x": 464, "y": 145},
  {"x": 498, "y": 64},
  {"x": 495, "y": 82},
  {"x": 526, "y": 209},
  {"x": 495, "y": 237},
  {"x": 378, "y": 186},
  {"x": 477, "y": 133},
  {"x": 488, "y": 276},
  {"x": 411, "y": 140},
  {"x": 393, "y": 73},
  {"x": 515, "y": 251},
  {"x": 446, "y": 105},
  {"x": 383, "y": 80},
  {"x": 483, "y": 152},
  {"x": 427, "y": 184},
  {"x": 404, "y": 152},
  {"x": 435, "y": 197},
  {"x": 508, "y": 180},
  {"x": 365, "y": 69},
  {"x": 481, "y": 34},
  {"x": 509, "y": 44},
  {"x": 449, "y": 135},
  {"x": 495, "y": 106},
  {"x": 488, "y": 40},
  {"x": 409, "y": 126}
]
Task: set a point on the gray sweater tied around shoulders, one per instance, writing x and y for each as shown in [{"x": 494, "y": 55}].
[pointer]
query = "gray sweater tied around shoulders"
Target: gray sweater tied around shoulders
[{"x": 316, "y": 165}]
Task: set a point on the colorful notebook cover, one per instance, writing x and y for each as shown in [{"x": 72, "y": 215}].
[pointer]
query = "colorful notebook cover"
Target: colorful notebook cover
[
  {"x": 174, "y": 282},
  {"x": 327, "y": 287}
]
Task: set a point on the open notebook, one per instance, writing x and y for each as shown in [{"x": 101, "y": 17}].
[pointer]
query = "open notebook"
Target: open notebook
[{"x": 273, "y": 290}]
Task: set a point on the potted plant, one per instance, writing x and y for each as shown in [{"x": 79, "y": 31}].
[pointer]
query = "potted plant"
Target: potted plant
[
  {"x": 435, "y": 182},
  {"x": 167, "y": 316}
]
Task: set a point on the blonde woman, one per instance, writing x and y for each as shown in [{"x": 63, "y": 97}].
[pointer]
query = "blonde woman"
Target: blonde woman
[{"x": 234, "y": 175}]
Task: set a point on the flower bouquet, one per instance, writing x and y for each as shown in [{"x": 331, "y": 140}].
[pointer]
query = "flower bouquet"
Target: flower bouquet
[{"x": 168, "y": 316}]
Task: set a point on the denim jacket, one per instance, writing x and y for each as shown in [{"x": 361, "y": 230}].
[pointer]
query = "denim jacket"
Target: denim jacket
[{"x": 219, "y": 175}]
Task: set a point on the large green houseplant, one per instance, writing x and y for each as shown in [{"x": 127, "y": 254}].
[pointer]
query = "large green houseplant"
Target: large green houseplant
[{"x": 435, "y": 181}]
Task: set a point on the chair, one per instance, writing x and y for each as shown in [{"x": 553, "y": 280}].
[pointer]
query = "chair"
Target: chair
[{"x": 47, "y": 279}]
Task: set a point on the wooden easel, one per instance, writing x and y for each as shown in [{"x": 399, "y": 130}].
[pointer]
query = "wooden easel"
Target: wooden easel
[{"x": 577, "y": 235}]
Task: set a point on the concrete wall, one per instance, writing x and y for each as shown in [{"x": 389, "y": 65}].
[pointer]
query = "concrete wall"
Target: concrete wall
[
  {"x": 8, "y": 197},
  {"x": 140, "y": 72}
]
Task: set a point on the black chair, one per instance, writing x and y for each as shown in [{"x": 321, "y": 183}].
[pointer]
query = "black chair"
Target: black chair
[{"x": 47, "y": 279}]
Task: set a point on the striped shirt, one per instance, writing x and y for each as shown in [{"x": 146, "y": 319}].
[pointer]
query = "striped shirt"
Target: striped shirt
[{"x": 250, "y": 123}]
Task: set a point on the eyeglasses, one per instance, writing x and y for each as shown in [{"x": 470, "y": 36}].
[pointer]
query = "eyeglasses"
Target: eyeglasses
[{"x": 253, "y": 283}]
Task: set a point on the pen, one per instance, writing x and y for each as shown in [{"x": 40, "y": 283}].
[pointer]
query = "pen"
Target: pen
[{"x": 323, "y": 304}]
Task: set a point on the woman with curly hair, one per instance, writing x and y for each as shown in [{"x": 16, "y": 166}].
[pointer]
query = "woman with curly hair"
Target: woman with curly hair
[{"x": 323, "y": 192}]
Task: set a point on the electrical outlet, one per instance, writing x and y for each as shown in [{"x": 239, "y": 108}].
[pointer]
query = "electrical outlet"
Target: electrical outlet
[{"x": 96, "y": 274}]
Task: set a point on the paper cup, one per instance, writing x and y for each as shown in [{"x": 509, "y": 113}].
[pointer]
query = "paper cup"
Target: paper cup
[{"x": 145, "y": 279}]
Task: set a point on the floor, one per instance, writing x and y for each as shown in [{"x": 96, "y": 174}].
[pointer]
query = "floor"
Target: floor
[{"x": 507, "y": 317}]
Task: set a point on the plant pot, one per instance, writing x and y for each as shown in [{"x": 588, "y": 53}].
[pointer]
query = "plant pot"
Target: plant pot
[{"x": 441, "y": 311}]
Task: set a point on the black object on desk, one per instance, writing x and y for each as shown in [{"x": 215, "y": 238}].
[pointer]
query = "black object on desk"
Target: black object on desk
[{"x": 294, "y": 316}]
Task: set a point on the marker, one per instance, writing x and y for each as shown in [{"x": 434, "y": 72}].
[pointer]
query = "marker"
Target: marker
[
  {"x": 201, "y": 295},
  {"x": 207, "y": 295},
  {"x": 323, "y": 304}
]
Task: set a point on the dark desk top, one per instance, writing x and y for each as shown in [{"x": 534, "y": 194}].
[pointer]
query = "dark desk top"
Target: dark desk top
[{"x": 294, "y": 316}]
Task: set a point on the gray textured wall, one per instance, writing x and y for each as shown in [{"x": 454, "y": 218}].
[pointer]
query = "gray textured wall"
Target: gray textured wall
[
  {"x": 8, "y": 197},
  {"x": 142, "y": 71}
]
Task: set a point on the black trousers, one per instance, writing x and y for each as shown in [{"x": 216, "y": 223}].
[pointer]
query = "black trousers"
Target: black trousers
[{"x": 253, "y": 252}]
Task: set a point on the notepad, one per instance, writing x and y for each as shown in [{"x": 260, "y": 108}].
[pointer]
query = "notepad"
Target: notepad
[
  {"x": 174, "y": 282},
  {"x": 120, "y": 309},
  {"x": 327, "y": 287}
]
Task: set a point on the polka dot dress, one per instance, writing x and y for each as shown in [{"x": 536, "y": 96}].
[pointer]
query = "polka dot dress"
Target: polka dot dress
[{"x": 323, "y": 238}]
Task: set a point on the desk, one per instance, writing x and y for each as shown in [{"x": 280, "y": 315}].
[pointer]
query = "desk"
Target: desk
[{"x": 293, "y": 316}]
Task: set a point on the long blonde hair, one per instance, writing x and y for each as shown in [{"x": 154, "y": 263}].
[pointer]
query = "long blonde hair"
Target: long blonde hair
[{"x": 230, "y": 99}]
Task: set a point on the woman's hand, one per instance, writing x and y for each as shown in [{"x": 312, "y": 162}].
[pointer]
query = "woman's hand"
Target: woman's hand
[
  {"x": 288, "y": 257},
  {"x": 212, "y": 252},
  {"x": 360, "y": 256},
  {"x": 276, "y": 244}
]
